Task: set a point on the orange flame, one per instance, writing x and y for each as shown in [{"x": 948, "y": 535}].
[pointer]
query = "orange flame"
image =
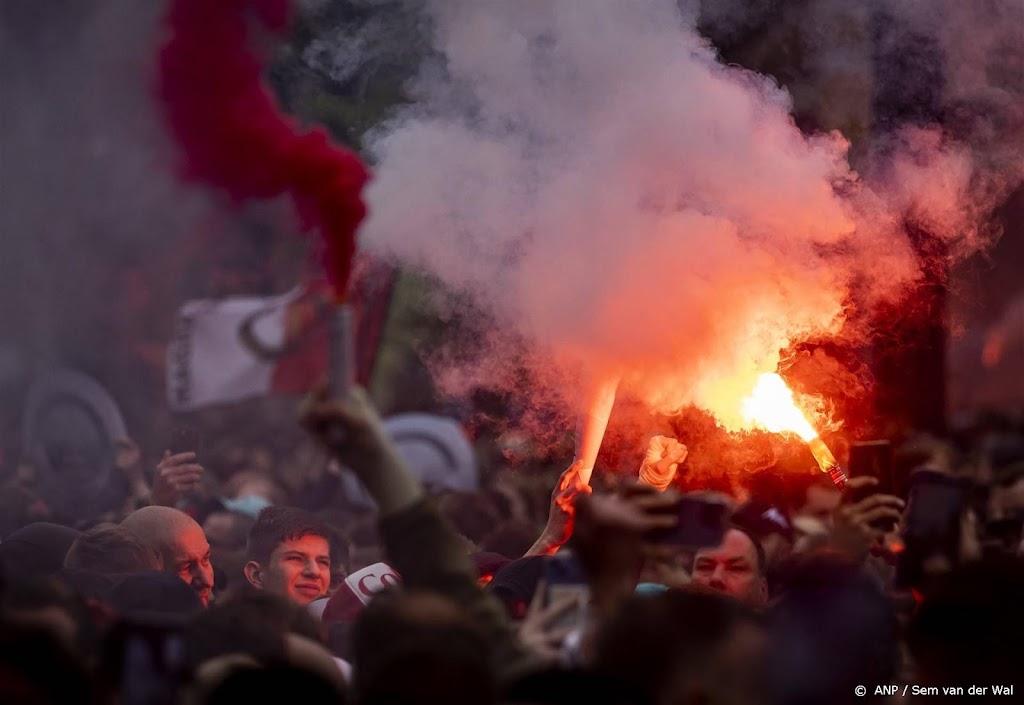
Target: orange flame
[{"x": 770, "y": 407}]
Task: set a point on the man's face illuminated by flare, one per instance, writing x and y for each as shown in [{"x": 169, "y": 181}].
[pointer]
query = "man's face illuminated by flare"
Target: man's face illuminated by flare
[
  {"x": 732, "y": 568},
  {"x": 189, "y": 558}
]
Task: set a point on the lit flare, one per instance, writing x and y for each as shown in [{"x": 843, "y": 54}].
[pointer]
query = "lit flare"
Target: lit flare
[{"x": 771, "y": 407}]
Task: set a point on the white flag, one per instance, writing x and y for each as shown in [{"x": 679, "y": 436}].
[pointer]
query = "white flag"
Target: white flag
[{"x": 241, "y": 347}]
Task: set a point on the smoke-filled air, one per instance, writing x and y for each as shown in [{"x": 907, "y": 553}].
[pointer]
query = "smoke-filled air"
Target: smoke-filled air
[{"x": 594, "y": 176}]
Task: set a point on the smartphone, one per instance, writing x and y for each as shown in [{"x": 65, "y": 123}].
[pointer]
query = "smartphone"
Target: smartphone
[
  {"x": 935, "y": 504},
  {"x": 565, "y": 577},
  {"x": 873, "y": 459},
  {"x": 701, "y": 521},
  {"x": 184, "y": 439}
]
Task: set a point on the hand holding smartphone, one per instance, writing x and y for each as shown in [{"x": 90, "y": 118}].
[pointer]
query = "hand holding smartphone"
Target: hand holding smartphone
[
  {"x": 701, "y": 521},
  {"x": 565, "y": 581},
  {"x": 872, "y": 459}
]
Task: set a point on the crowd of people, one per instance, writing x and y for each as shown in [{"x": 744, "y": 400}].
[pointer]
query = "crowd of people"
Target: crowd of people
[{"x": 433, "y": 583}]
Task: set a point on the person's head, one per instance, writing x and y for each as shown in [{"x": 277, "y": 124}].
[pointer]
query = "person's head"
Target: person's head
[
  {"x": 36, "y": 550},
  {"x": 180, "y": 543},
  {"x": 558, "y": 686},
  {"x": 251, "y": 483},
  {"x": 152, "y": 594},
  {"x": 735, "y": 568},
  {"x": 471, "y": 513},
  {"x": 969, "y": 627},
  {"x": 111, "y": 550},
  {"x": 265, "y": 627},
  {"x": 420, "y": 648},
  {"x": 684, "y": 646},
  {"x": 227, "y": 530},
  {"x": 278, "y": 613},
  {"x": 251, "y": 684},
  {"x": 511, "y": 539},
  {"x": 770, "y": 526},
  {"x": 46, "y": 603},
  {"x": 828, "y": 600},
  {"x": 816, "y": 498},
  {"x": 36, "y": 666},
  {"x": 289, "y": 554},
  {"x": 229, "y": 630}
]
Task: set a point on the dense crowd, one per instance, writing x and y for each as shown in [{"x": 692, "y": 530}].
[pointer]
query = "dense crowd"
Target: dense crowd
[{"x": 402, "y": 572}]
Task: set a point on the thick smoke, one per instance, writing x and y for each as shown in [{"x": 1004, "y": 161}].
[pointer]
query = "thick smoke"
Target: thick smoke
[
  {"x": 233, "y": 135},
  {"x": 596, "y": 178},
  {"x": 86, "y": 190}
]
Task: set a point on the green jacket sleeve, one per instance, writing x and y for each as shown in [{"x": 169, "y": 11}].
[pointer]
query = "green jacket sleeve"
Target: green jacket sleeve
[{"x": 426, "y": 551}]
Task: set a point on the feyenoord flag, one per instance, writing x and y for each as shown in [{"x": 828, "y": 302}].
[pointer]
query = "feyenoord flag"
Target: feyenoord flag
[
  {"x": 241, "y": 347},
  {"x": 226, "y": 350}
]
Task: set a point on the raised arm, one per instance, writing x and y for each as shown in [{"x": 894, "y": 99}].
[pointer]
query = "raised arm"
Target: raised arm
[{"x": 421, "y": 544}]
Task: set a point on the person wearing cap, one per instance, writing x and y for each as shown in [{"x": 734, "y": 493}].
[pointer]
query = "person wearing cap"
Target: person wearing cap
[
  {"x": 772, "y": 528},
  {"x": 289, "y": 554}
]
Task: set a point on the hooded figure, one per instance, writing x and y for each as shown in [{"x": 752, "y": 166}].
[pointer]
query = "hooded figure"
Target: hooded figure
[{"x": 72, "y": 426}]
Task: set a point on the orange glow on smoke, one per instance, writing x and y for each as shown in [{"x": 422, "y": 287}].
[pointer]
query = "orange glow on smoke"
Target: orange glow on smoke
[{"x": 771, "y": 407}]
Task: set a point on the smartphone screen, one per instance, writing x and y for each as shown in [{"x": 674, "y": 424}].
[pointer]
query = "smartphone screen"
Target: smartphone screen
[
  {"x": 701, "y": 522},
  {"x": 564, "y": 577},
  {"x": 184, "y": 439},
  {"x": 935, "y": 506},
  {"x": 936, "y": 503},
  {"x": 872, "y": 459}
]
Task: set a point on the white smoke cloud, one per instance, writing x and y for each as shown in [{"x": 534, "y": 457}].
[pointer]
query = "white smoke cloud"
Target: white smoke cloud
[
  {"x": 605, "y": 186},
  {"x": 86, "y": 170},
  {"x": 595, "y": 177}
]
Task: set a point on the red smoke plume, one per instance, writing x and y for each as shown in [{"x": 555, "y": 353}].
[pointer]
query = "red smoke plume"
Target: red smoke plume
[{"x": 233, "y": 135}]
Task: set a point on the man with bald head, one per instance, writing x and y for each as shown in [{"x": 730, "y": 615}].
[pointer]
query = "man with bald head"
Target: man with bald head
[{"x": 179, "y": 542}]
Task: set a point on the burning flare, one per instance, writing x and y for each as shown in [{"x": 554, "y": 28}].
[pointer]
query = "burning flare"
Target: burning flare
[{"x": 771, "y": 407}]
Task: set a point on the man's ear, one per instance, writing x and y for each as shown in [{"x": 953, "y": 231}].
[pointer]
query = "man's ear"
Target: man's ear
[
  {"x": 254, "y": 574},
  {"x": 764, "y": 591}
]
